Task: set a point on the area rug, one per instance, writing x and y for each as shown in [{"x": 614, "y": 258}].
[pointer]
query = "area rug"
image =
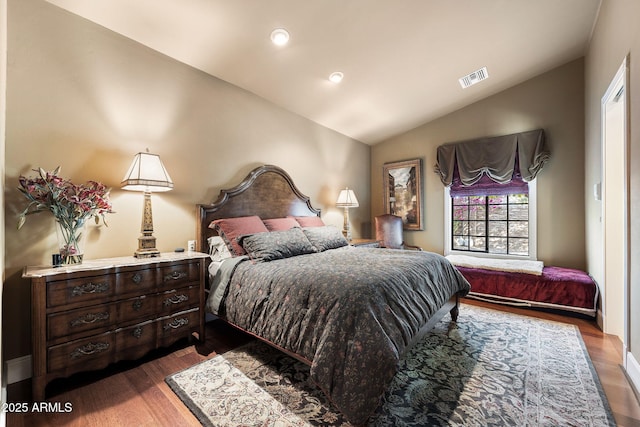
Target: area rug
[{"x": 489, "y": 369}]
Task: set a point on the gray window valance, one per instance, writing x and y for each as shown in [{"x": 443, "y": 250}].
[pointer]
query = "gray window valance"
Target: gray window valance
[{"x": 494, "y": 157}]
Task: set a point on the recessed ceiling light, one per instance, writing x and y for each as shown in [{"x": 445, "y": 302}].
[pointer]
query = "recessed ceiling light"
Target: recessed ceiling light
[
  {"x": 279, "y": 36},
  {"x": 336, "y": 77}
]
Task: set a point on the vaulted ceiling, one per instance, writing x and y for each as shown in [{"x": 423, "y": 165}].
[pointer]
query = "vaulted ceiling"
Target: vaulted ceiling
[{"x": 401, "y": 59}]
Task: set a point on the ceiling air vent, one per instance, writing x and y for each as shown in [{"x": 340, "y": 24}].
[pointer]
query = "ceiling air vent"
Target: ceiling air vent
[{"x": 473, "y": 78}]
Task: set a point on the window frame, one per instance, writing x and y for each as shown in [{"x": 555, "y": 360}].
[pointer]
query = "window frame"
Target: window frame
[{"x": 533, "y": 252}]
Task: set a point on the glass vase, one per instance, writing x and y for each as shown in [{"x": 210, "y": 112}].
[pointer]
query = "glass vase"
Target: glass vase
[{"x": 70, "y": 241}]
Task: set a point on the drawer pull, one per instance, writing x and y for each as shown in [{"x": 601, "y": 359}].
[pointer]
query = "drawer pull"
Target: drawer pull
[
  {"x": 137, "y": 305},
  {"x": 176, "y": 323},
  {"x": 89, "y": 349},
  {"x": 90, "y": 288},
  {"x": 137, "y": 332},
  {"x": 176, "y": 275},
  {"x": 175, "y": 299},
  {"x": 89, "y": 318},
  {"x": 137, "y": 278}
]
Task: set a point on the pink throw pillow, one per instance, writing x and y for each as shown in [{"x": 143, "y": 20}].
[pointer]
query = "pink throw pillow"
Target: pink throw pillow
[{"x": 232, "y": 228}]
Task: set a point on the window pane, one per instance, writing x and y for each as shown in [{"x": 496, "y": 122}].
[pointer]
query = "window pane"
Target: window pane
[
  {"x": 497, "y": 199},
  {"x": 497, "y": 212},
  {"x": 498, "y": 228},
  {"x": 461, "y": 200},
  {"x": 477, "y": 228},
  {"x": 476, "y": 200},
  {"x": 519, "y": 212},
  {"x": 477, "y": 212},
  {"x": 460, "y": 228},
  {"x": 478, "y": 244},
  {"x": 460, "y": 212},
  {"x": 460, "y": 243},
  {"x": 519, "y": 198},
  {"x": 519, "y": 246},
  {"x": 518, "y": 229},
  {"x": 498, "y": 245}
]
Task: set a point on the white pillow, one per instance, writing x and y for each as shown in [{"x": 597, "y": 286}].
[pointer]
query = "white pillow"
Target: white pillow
[{"x": 218, "y": 249}]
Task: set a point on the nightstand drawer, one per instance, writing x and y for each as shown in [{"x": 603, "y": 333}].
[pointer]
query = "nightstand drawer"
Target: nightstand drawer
[
  {"x": 70, "y": 323},
  {"x": 80, "y": 290},
  {"x": 82, "y": 355}
]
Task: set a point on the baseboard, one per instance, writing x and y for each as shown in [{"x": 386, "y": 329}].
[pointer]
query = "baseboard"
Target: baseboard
[
  {"x": 18, "y": 369},
  {"x": 633, "y": 371},
  {"x": 600, "y": 319}
]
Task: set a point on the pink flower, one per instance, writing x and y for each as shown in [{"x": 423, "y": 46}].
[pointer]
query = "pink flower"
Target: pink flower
[{"x": 70, "y": 204}]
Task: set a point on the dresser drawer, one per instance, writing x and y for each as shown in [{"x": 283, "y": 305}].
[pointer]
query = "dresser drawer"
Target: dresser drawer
[
  {"x": 178, "y": 274},
  {"x": 85, "y": 289},
  {"x": 139, "y": 308},
  {"x": 179, "y": 325},
  {"x": 175, "y": 300},
  {"x": 70, "y": 323},
  {"x": 82, "y": 355},
  {"x": 136, "y": 341},
  {"x": 138, "y": 281}
]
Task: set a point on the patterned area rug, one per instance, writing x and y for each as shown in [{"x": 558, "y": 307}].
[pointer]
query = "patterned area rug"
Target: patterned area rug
[{"x": 490, "y": 369}]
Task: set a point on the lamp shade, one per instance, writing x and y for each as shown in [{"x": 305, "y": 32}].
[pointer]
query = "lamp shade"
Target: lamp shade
[
  {"x": 347, "y": 199},
  {"x": 147, "y": 173}
]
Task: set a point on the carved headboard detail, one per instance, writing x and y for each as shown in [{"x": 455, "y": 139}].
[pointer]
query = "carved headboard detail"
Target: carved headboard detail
[{"x": 268, "y": 191}]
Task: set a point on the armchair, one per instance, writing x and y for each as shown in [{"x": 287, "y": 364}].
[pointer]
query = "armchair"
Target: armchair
[{"x": 389, "y": 232}]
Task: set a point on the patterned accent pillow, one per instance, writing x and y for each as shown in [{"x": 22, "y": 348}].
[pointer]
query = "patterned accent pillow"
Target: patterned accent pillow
[
  {"x": 279, "y": 224},
  {"x": 276, "y": 244},
  {"x": 309, "y": 221},
  {"x": 232, "y": 228},
  {"x": 327, "y": 237},
  {"x": 218, "y": 249}
]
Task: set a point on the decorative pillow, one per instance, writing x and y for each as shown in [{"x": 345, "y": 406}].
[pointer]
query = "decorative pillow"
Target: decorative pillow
[
  {"x": 309, "y": 221},
  {"x": 231, "y": 228},
  {"x": 218, "y": 249},
  {"x": 279, "y": 224},
  {"x": 327, "y": 237},
  {"x": 276, "y": 244}
]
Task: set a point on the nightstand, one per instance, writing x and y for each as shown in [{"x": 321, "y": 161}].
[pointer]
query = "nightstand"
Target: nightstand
[
  {"x": 368, "y": 243},
  {"x": 87, "y": 316}
]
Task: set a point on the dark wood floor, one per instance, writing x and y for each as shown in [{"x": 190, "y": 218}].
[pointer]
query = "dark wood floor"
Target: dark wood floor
[{"x": 135, "y": 394}]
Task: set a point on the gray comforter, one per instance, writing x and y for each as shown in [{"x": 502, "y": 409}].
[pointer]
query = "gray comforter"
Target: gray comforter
[{"x": 350, "y": 312}]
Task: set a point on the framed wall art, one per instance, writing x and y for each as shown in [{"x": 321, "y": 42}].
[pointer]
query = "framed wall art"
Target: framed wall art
[{"x": 403, "y": 191}]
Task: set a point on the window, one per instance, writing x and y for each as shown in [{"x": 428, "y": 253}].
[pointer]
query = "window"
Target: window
[{"x": 500, "y": 225}]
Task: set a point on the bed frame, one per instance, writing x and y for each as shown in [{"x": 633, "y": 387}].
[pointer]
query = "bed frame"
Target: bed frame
[{"x": 269, "y": 192}]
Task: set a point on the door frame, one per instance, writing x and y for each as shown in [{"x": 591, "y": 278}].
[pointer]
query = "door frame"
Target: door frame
[{"x": 621, "y": 80}]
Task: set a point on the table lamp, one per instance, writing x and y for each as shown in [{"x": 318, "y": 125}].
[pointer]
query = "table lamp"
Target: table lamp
[
  {"x": 347, "y": 199},
  {"x": 147, "y": 174}
]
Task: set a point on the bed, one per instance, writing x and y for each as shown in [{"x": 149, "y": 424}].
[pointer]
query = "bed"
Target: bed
[
  {"x": 529, "y": 284},
  {"x": 348, "y": 312}
]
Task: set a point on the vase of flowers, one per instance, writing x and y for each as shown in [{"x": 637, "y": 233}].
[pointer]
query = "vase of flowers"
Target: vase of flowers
[{"x": 71, "y": 205}]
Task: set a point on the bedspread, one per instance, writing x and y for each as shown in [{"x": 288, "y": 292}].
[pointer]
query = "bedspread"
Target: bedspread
[{"x": 350, "y": 312}]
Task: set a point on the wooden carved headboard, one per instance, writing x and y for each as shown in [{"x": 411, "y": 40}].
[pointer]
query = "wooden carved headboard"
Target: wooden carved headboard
[{"x": 268, "y": 191}]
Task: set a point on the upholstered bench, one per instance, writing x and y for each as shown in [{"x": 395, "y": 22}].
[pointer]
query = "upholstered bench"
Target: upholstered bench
[{"x": 541, "y": 286}]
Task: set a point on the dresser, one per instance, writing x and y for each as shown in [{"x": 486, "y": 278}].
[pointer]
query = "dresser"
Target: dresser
[{"x": 85, "y": 317}]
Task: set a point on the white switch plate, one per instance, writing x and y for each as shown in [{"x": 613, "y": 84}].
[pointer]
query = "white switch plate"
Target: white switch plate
[{"x": 191, "y": 245}]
